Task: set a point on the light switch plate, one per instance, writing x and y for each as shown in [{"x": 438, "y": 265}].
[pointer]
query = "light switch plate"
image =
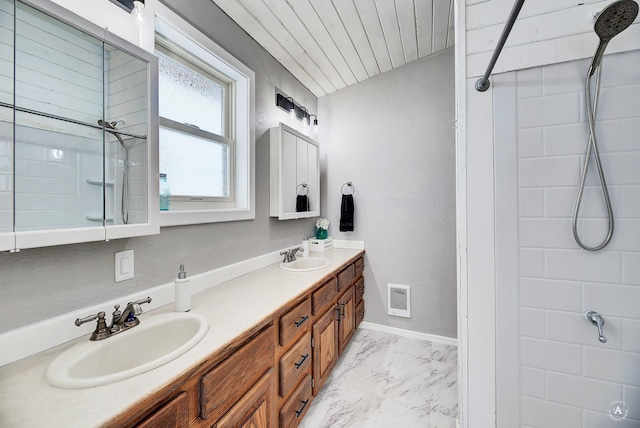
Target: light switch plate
[{"x": 124, "y": 265}]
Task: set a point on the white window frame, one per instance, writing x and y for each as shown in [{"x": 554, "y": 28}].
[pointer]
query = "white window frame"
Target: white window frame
[{"x": 171, "y": 27}]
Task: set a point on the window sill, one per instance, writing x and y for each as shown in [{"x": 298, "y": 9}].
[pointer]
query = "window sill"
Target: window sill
[{"x": 185, "y": 217}]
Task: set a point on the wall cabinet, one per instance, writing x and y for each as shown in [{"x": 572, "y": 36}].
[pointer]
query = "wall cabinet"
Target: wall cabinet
[
  {"x": 294, "y": 174},
  {"x": 270, "y": 376},
  {"x": 77, "y": 121}
]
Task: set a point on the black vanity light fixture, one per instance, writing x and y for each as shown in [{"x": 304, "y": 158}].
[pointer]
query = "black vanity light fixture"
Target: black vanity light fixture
[{"x": 296, "y": 111}]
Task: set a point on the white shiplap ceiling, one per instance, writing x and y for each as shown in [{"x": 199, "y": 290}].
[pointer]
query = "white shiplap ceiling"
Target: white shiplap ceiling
[{"x": 331, "y": 44}]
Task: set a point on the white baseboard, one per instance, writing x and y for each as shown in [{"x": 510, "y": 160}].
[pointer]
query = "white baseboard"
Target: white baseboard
[
  {"x": 348, "y": 245},
  {"x": 409, "y": 333}
]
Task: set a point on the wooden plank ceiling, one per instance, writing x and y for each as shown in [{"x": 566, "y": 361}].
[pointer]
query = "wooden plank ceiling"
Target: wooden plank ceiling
[{"x": 331, "y": 44}]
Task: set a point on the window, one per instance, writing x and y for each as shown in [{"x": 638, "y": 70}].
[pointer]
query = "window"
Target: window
[{"x": 205, "y": 103}]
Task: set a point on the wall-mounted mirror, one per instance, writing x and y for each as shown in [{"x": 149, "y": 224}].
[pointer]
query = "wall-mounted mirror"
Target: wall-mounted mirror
[
  {"x": 74, "y": 124},
  {"x": 294, "y": 174}
]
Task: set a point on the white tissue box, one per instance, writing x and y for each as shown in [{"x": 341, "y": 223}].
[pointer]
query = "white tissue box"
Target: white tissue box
[{"x": 320, "y": 245}]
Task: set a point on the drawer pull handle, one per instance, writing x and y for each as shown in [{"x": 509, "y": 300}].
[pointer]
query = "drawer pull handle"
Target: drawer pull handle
[
  {"x": 302, "y": 320},
  {"x": 304, "y": 404},
  {"x": 343, "y": 304},
  {"x": 338, "y": 313},
  {"x": 301, "y": 362}
]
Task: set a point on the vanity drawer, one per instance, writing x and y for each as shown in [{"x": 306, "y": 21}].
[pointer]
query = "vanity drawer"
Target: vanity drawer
[
  {"x": 346, "y": 276},
  {"x": 294, "y": 364},
  {"x": 296, "y": 407},
  {"x": 296, "y": 320},
  {"x": 225, "y": 384},
  {"x": 359, "y": 266},
  {"x": 175, "y": 413},
  {"x": 359, "y": 289},
  {"x": 324, "y": 296},
  {"x": 359, "y": 313}
]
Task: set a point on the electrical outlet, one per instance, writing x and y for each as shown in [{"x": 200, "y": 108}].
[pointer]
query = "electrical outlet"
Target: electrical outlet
[{"x": 124, "y": 265}]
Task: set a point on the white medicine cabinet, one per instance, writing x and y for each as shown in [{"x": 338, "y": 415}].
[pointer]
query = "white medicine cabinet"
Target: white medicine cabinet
[
  {"x": 294, "y": 174},
  {"x": 78, "y": 127}
]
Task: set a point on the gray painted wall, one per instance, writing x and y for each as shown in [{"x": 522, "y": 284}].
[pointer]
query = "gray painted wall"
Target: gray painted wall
[
  {"x": 392, "y": 137},
  {"x": 41, "y": 283}
]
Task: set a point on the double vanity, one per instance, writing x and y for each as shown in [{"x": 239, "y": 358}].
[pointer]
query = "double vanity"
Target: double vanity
[{"x": 273, "y": 338}]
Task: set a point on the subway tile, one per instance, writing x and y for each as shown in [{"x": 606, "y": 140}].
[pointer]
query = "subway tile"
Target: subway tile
[
  {"x": 629, "y": 63},
  {"x": 6, "y": 164},
  {"x": 530, "y": 142},
  {"x": 550, "y": 294},
  {"x": 563, "y": 77},
  {"x": 631, "y": 396},
  {"x": 529, "y": 82},
  {"x": 531, "y": 202},
  {"x": 625, "y": 235},
  {"x": 568, "y": 139},
  {"x": 571, "y": 327},
  {"x": 570, "y": 390},
  {"x": 548, "y": 355},
  {"x": 549, "y": 172},
  {"x": 629, "y": 131},
  {"x": 612, "y": 366},
  {"x": 29, "y": 152},
  {"x": 561, "y": 201},
  {"x": 630, "y": 196},
  {"x": 619, "y": 102},
  {"x": 532, "y": 322},
  {"x": 619, "y": 168},
  {"x": 545, "y": 414},
  {"x": 545, "y": 232},
  {"x": 631, "y": 268},
  {"x": 549, "y": 110},
  {"x": 580, "y": 265},
  {"x": 631, "y": 336},
  {"x": 612, "y": 299},
  {"x": 603, "y": 420},
  {"x": 532, "y": 382},
  {"x": 532, "y": 262},
  {"x": 29, "y": 185}
]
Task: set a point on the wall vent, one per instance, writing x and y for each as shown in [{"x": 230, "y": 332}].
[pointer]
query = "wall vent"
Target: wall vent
[{"x": 399, "y": 300}]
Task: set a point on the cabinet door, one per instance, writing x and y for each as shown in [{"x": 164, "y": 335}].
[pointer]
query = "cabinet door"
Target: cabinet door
[
  {"x": 255, "y": 408},
  {"x": 347, "y": 323},
  {"x": 175, "y": 413},
  {"x": 325, "y": 351}
]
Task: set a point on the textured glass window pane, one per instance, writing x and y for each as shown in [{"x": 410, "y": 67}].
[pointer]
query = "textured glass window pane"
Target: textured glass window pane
[
  {"x": 189, "y": 97},
  {"x": 194, "y": 166}
]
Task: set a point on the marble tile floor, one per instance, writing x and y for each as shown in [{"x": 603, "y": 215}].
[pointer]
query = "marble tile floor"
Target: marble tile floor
[{"x": 387, "y": 381}]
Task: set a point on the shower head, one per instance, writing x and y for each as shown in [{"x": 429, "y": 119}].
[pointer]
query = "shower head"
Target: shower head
[
  {"x": 112, "y": 126},
  {"x": 613, "y": 20}
]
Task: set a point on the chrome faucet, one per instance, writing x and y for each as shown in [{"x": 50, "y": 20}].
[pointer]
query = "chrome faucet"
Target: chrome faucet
[
  {"x": 290, "y": 255},
  {"x": 597, "y": 320},
  {"x": 120, "y": 321}
]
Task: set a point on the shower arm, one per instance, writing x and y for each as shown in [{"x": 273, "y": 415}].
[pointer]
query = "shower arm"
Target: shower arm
[{"x": 483, "y": 83}]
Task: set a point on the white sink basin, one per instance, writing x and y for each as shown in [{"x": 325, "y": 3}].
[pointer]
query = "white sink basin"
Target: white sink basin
[
  {"x": 154, "y": 342},
  {"x": 305, "y": 264}
]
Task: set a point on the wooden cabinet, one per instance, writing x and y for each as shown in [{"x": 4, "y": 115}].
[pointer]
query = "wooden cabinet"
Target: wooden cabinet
[
  {"x": 325, "y": 347},
  {"x": 269, "y": 375},
  {"x": 296, "y": 407},
  {"x": 225, "y": 384},
  {"x": 347, "y": 320},
  {"x": 175, "y": 413},
  {"x": 294, "y": 364},
  {"x": 254, "y": 410},
  {"x": 295, "y": 321}
]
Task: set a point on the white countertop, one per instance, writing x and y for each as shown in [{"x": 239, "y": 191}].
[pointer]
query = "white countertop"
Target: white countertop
[{"x": 27, "y": 400}]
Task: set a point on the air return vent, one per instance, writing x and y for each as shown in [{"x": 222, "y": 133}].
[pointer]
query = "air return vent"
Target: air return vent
[{"x": 399, "y": 300}]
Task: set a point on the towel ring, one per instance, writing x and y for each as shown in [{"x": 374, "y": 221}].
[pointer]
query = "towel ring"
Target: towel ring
[
  {"x": 349, "y": 185},
  {"x": 304, "y": 187}
]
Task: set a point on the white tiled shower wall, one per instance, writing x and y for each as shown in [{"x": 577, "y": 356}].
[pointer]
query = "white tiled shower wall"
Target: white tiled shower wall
[{"x": 564, "y": 376}]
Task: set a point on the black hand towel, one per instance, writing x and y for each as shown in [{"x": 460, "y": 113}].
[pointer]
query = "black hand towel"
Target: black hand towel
[
  {"x": 346, "y": 214},
  {"x": 302, "y": 203}
]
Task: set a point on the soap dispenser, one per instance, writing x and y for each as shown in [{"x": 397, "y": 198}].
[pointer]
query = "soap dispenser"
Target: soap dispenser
[
  {"x": 305, "y": 246},
  {"x": 183, "y": 291}
]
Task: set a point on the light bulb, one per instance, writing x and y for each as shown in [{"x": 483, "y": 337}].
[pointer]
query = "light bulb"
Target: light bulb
[
  {"x": 292, "y": 112},
  {"x": 315, "y": 126}
]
